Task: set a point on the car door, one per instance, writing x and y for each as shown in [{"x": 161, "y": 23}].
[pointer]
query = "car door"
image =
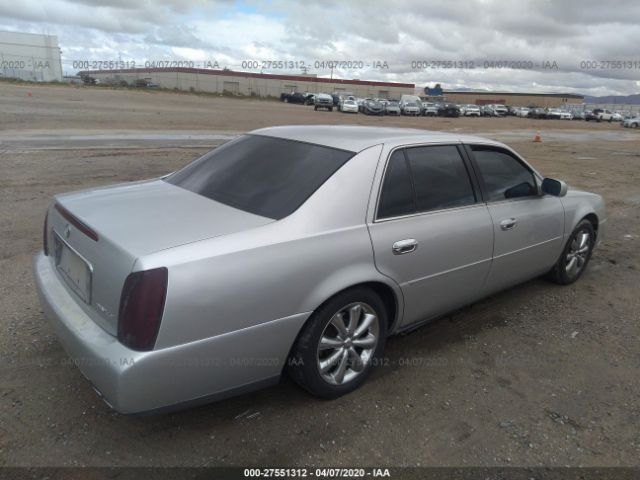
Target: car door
[
  {"x": 528, "y": 227},
  {"x": 430, "y": 231}
]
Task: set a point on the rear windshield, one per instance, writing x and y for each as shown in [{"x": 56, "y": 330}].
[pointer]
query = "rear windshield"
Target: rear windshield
[{"x": 266, "y": 176}]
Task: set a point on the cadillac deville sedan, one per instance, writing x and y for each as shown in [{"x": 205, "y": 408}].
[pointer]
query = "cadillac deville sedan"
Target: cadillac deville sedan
[{"x": 295, "y": 249}]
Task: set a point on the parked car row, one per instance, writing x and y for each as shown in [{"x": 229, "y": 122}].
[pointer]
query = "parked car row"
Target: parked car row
[
  {"x": 599, "y": 115},
  {"x": 413, "y": 105}
]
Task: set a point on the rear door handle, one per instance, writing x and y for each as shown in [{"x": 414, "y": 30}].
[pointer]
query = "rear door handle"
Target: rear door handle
[
  {"x": 508, "y": 223},
  {"x": 404, "y": 246}
]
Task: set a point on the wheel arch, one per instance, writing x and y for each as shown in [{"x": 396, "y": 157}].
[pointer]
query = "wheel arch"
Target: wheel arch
[
  {"x": 584, "y": 206},
  {"x": 388, "y": 291},
  {"x": 593, "y": 218}
]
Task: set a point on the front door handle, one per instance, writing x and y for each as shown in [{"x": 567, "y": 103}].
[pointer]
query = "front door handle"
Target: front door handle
[
  {"x": 508, "y": 223},
  {"x": 404, "y": 246}
]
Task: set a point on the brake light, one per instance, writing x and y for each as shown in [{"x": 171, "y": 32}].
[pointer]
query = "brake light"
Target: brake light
[
  {"x": 45, "y": 234},
  {"x": 141, "y": 307},
  {"x": 76, "y": 222}
]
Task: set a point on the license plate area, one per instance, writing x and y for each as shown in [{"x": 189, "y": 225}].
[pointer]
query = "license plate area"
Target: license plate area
[{"x": 75, "y": 270}]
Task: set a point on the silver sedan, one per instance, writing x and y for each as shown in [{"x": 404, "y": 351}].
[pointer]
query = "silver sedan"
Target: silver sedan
[{"x": 295, "y": 249}]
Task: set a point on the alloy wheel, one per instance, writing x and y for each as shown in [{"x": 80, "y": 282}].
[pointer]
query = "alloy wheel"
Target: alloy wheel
[
  {"x": 348, "y": 343},
  {"x": 578, "y": 253}
]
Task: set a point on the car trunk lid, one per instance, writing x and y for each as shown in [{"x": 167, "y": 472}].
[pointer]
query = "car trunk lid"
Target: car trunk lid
[{"x": 97, "y": 235}]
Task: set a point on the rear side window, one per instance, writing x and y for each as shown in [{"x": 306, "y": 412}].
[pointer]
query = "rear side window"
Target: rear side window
[
  {"x": 397, "y": 194},
  {"x": 266, "y": 176},
  {"x": 504, "y": 176},
  {"x": 421, "y": 179},
  {"x": 440, "y": 178}
]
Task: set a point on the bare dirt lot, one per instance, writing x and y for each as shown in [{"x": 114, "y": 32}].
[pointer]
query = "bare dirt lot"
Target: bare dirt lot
[{"x": 536, "y": 375}]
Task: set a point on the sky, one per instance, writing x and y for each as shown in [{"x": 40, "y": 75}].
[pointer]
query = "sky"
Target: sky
[{"x": 587, "y": 47}]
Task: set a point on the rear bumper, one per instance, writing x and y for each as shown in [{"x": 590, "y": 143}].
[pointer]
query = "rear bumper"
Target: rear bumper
[{"x": 197, "y": 372}]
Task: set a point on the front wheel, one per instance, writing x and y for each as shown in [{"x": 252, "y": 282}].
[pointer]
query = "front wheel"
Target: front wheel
[
  {"x": 339, "y": 344},
  {"x": 575, "y": 256}
]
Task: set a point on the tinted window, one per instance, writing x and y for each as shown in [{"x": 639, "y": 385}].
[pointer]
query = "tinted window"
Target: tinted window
[
  {"x": 503, "y": 175},
  {"x": 440, "y": 178},
  {"x": 397, "y": 194},
  {"x": 266, "y": 176}
]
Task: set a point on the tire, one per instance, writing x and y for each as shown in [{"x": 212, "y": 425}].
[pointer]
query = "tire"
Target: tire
[
  {"x": 610, "y": 120},
  {"x": 331, "y": 109},
  {"x": 561, "y": 273},
  {"x": 634, "y": 125},
  {"x": 339, "y": 377}
]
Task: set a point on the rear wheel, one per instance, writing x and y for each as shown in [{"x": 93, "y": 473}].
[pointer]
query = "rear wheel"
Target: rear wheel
[
  {"x": 575, "y": 256},
  {"x": 337, "y": 347}
]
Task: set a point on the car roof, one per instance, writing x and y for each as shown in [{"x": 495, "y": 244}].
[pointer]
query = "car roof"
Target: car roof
[{"x": 357, "y": 138}]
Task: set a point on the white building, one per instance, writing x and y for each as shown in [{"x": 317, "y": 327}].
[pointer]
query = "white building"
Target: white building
[
  {"x": 247, "y": 83},
  {"x": 29, "y": 56}
]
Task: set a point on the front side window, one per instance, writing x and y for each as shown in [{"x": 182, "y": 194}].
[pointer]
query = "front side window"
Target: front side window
[
  {"x": 503, "y": 175},
  {"x": 266, "y": 176}
]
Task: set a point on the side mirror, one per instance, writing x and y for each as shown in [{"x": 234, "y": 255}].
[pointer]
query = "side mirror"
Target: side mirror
[{"x": 554, "y": 187}]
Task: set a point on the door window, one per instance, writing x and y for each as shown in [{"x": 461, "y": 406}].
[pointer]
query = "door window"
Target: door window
[
  {"x": 440, "y": 178},
  {"x": 420, "y": 179},
  {"x": 503, "y": 175}
]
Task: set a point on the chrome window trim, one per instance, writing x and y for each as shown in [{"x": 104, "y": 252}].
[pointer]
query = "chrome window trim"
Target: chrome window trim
[{"x": 431, "y": 212}]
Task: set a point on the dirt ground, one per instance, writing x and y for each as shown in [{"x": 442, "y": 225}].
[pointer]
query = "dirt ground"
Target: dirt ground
[{"x": 537, "y": 375}]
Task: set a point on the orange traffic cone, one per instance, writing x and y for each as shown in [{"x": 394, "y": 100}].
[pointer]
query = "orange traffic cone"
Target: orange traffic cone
[{"x": 537, "y": 138}]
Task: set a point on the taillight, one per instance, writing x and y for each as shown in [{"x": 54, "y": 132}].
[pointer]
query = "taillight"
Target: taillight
[
  {"x": 45, "y": 234},
  {"x": 141, "y": 307}
]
